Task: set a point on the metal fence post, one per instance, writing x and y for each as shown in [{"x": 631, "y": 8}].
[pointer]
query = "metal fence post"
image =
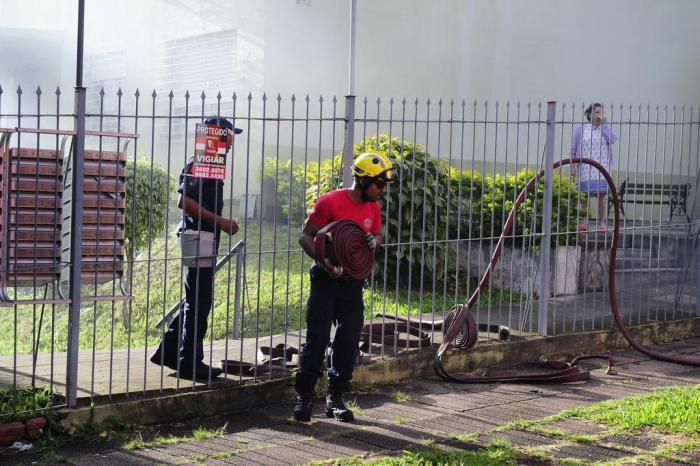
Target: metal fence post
[
  {"x": 350, "y": 100},
  {"x": 349, "y": 139},
  {"x": 697, "y": 284},
  {"x": 76, "y": 237},
  {"x": 240, "y": 257},
  {"x": 542, "y": 317}
]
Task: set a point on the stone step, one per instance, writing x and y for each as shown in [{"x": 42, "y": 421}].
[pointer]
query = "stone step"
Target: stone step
[
  {"x": 648, "y": 277},
  {"x": 645, "y": 263}
]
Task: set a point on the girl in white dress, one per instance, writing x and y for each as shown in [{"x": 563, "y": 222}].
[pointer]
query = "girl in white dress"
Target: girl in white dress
[{"x": 593, "y": 140}]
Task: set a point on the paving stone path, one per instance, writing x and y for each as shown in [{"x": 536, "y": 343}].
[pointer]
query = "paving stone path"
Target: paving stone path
[{"x": 393, "y": 418}]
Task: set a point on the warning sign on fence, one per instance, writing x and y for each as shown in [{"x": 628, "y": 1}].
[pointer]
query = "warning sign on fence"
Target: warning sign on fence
[{"x": 210, "y": 152}]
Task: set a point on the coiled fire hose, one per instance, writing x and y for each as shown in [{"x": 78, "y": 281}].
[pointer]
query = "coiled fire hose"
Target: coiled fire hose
[
  {"x": 343, "y": 243},
  {"x": 462, "y": 329}
]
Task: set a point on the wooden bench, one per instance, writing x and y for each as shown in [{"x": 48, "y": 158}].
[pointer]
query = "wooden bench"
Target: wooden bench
[{"x": 673, "y": 195}]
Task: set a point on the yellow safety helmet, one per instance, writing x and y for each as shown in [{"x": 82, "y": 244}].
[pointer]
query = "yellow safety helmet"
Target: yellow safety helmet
[{"x": 374, "y": 165}]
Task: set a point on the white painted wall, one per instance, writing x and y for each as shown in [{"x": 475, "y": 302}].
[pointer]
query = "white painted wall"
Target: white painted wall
[
  {"x": 634, "y": 51},
  {"x": 612, "y": 51},
  {"x": 621, "y": 51}
]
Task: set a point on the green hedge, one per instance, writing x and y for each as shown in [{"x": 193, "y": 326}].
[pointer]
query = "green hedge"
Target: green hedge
[
  {"x": 433, "y": 202},
  {"x": 490, "y": 211},
  {"x": 147, "y": 185}
]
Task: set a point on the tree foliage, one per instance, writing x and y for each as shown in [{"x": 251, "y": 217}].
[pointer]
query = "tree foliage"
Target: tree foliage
[
  {"x": 147, "y": 187},
  {"x": 431, "y": 205},
  {"x": 499, "y": 195}
]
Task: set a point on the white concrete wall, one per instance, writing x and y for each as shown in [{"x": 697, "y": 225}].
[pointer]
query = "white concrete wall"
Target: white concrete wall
[
  {"x": 613, "y": 51},
  {"x": 621, "y": 51}
]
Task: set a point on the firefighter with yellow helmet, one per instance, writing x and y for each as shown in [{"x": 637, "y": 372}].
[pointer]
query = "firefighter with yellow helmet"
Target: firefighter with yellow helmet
[{"x": 335, "y": 298}]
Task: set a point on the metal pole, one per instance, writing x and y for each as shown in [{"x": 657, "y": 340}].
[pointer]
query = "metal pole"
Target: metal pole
[
  {"x": 349, "y": 139},
  {"x": 697, "y": 284},
  {"x": 240, "y": 257},
  {"x": 542, "y": 316},
  {"x": 353, "y": 35},
  {"x": 76, "y": 239},
  {"x": 350, "y": 102}
]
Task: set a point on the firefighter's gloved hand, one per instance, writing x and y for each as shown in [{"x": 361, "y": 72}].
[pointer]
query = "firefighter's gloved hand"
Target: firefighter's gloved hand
[
  {"x": 335, "y": 271},
  {"x": 371, "y": 240}
]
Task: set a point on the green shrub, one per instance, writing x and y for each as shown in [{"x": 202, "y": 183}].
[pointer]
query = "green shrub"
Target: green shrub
[
  {"x": 277, "y": 181},
  {"x": 322, "y": 178},
  {"x": 149, "y": 197},
  {"x": 491, "y": 210},
  {"x": 147, "y": 188},
  {"x": 304, "y": 181},
  {"x": 440, "y": 199},
  {"x": 431, "y": 203},
  {"x": 421, "y": 207}
]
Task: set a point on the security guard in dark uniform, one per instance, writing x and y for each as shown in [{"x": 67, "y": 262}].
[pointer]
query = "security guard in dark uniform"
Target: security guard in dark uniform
[{"x": 202, "y": 202}]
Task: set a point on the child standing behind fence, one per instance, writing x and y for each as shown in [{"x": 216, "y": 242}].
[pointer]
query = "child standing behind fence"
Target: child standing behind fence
[{"x": 593, "y": 140}]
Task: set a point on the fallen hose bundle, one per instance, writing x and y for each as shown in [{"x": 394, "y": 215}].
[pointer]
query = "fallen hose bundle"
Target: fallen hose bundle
[
  {"x": 502, "y": 331},
  {"x": 343, "y": 243},
  {"x": 395, "y": 333}
]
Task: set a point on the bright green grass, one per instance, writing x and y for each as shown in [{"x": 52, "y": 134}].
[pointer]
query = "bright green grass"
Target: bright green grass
[
  {"x": 354, "y": 407},
  {"x": 672, "y": 409},
  {"x": 466, "y": 438},
  {"x": 496, "y": 453},
  {"x": 25, "y": 403},
  {"x": 274, "y": 298},
  {"x": 199, "y": 434},
  {"x": 669, "y": 410},
  {"x": 401, "y": 397}
]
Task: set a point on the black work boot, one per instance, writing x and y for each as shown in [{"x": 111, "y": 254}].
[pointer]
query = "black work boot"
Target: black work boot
[
  {"x": 335, "y": 407},
  {"x": 303, "y": 407},
  {"x": 304, "y": 386}
]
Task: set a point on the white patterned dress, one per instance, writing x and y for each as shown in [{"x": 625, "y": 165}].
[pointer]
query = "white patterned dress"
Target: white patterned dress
[{"x": 593, "y": 143}]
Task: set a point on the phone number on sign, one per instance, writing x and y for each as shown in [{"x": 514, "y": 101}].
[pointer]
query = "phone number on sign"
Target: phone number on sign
[{"x": 218, "y": 173}]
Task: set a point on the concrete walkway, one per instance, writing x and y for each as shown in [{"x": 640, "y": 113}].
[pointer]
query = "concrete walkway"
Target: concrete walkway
[
  {"x": 431, "y": 412},
  {"x": 105, "y": 373}
]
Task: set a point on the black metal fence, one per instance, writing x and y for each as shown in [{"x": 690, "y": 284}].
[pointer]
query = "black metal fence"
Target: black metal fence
[{"x": 461, "y": 165}]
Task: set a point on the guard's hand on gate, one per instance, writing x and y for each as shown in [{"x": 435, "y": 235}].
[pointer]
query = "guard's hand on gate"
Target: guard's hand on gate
[
  {"x": 371, "y": 241},
  {"x": 228, "y": 225}
]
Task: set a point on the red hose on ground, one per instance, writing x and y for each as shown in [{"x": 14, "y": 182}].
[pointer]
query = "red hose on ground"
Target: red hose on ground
[{"x": 566, "y": 372}]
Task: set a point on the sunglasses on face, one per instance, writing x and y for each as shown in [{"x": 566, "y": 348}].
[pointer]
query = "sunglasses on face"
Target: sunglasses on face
[
  {"x": 380, "y": 183},
  {"x": 386, "y": 177}
]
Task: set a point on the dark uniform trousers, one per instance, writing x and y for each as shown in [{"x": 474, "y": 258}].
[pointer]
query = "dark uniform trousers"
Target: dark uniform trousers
[
  {"x": 331, "y": 302},
  {"x": 193, "y": 316}
]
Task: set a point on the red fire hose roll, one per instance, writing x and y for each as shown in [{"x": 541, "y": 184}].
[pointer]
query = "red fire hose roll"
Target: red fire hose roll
[
  {"x": 462, "y": 325},
  {"x": 343, "y": 243}
]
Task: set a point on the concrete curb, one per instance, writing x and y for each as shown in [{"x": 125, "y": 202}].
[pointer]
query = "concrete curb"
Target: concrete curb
[{"x": 237, "y": 398}]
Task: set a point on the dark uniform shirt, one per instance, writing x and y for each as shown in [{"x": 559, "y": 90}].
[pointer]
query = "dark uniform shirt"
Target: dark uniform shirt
[{"x": 209, "y": 194}]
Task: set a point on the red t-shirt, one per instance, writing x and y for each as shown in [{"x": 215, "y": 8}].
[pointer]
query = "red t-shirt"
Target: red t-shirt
[{"x": 337, "y": 205}]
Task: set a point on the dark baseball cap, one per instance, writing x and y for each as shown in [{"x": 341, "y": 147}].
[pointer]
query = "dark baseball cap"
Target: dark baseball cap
[{"x": 223, "y": 122}]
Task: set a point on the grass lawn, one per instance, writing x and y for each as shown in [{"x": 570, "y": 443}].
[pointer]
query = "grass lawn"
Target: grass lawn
[
  {"x": 670, "y": 416},
  {"x": 496, "y": 453},
  {"x": 275, "y": 291}
]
